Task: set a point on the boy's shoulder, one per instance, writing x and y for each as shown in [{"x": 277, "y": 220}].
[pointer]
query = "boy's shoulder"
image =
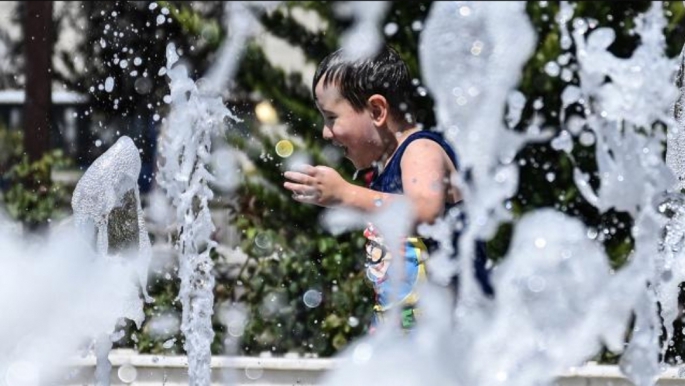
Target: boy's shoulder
[{"x": 432, "y": 136}]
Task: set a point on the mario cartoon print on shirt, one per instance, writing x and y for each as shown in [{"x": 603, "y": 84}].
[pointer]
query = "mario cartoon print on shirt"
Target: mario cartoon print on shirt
[{"x": 379, "y": 271}]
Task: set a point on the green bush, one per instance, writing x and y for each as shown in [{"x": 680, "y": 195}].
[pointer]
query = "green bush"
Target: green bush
[{"x": 29, "y": 194}]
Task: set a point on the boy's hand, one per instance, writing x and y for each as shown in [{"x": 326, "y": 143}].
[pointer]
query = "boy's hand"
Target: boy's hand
[{"x": 319, "y": 185}]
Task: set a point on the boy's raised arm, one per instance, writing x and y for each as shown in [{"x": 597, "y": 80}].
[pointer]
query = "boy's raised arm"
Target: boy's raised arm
[{"x": 323, "y": 186}]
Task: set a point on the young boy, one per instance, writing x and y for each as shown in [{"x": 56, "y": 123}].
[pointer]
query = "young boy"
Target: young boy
[{"x": 366, "y": 106}]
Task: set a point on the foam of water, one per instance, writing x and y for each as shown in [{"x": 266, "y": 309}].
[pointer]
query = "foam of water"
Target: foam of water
[
  {"x": 58, "y": 296},
  {"x": 102, "y": 188}
]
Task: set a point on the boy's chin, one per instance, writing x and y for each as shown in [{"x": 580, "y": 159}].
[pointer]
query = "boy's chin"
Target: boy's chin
[{"x": 359, "y": 166}]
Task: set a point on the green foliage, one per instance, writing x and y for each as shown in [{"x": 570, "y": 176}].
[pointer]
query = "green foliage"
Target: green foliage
[
  {"x": 30, "y": 195},
  {"x": 10, "y": 147}
]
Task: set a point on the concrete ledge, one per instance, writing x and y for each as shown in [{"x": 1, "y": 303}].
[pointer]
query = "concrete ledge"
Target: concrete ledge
[
  {"x": 148, "y": 370},
  {"x": 130, "y": 368}
]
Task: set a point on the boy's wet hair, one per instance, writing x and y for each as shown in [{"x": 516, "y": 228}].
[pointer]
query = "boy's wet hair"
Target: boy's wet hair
[{"x": 385, "y": 74}]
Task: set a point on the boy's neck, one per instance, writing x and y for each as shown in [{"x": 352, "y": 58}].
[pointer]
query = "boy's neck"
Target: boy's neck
[{"x": 399, "y": 134}]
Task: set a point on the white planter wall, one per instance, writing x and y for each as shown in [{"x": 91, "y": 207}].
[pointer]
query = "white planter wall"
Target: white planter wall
[{"x": 237, "y": 371}]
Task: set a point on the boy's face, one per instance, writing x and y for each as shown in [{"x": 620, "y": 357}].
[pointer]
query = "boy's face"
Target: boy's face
[{"x": 354, "y": 131}]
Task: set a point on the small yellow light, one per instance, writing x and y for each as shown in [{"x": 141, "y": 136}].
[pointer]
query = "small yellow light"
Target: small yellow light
[
  {"x": 266, "y": 113},
  {"x": 284, "y": 148}
]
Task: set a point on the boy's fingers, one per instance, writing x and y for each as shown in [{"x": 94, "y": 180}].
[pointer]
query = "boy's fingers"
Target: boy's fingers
[
  {"x": 310, "y": 198},
  {"x": 300, "y": 189},
  {"x": 295, "y": 176},
  {"x": 298, "y": 177},
  {"x": 303, "y": 168}
]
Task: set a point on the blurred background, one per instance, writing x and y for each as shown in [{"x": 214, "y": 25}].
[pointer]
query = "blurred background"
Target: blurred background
[{"x": 75, "y": 76}]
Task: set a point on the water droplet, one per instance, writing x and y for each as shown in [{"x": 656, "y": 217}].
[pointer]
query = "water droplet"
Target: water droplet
[
  {"x": 540, "y": 242},
  {"x": 123, "y": 63},
  {"x": 312, "y": 298},
  {"x": 586, "y": 138},
  {"x": 169, "y": 343},
  {"x": 592, "y": 233},
  {"x": 536, "y": 283},
  {"x": 254, "y": 373},
  {"x": 362, "y": 353},
  {"x": 538, "y": 104},
  {"x": 552, "y": 68},
  {"x": 580, "y": 25},
  {"x": 352, "y": 321},
  {"x": 236, "y": 328},
  {"x": 476, "y": 48},
  {"x": 284, "y": 148},
  {"x": 390, "y": 29},
  {"x": 263, "y": 241},
  {"x": 109, "y": 84},
  {"x": 160, "y": 19},
  {"x": 563, "y": 142},
  {"x": 566, "y": 75},
  {"x": 142, "y": 86},
  {"x": 127, "y": 373}
]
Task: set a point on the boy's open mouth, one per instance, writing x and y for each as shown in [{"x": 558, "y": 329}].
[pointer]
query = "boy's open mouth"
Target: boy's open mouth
[{"x": 342, "y": 148}]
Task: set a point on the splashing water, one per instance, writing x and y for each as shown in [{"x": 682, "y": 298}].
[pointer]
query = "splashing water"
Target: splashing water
[
  {"x": 194, "y": 119},
  {"x": 185, "y": 150},
  {"x": 104, "y": 187},
  {"x": 554, "y": 279},
  {"x": 198, "y": 114},
  {"x": 58, "y": 296},
  {"x": 242, "y": 24},
  {"x": 109, "y": 183},
  {"x": 65, "y": 276},
  {"x": 364, "y": 38}
]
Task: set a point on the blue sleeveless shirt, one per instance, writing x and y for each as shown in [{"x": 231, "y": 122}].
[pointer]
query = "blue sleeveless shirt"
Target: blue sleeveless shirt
[{"x": 389, "y": 180}]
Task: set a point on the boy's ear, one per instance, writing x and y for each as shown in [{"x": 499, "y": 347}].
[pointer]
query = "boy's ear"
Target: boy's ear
[{"x": 379, "y": 109}]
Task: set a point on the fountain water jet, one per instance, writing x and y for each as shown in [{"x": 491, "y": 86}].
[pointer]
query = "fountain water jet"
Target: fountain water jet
[{"x": 197, "y": 115}]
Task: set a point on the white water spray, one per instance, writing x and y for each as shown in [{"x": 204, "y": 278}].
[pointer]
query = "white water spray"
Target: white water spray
[
  {"x": 197, "y": 115},
  {"x": 554, "y": 278}
]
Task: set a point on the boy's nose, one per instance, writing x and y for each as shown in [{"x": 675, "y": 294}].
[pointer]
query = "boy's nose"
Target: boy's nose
[{"x": 327, "y": 133}]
